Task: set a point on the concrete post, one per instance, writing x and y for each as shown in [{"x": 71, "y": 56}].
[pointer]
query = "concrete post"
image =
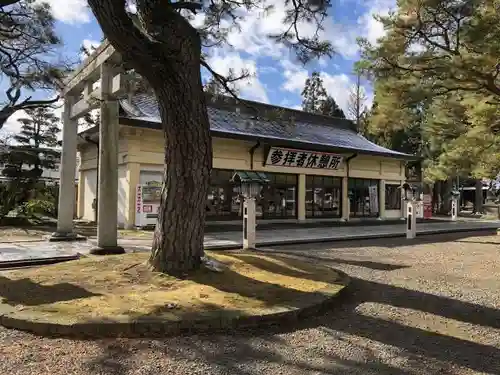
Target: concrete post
[
  {"x": 301, "y": 198},
  {"x": 107, "y": 200},
  {"x": 249, "y": 224},
  {"x": 411, "y": 220},
  {"x": 454, "y": 209},
  {"x": 66, "y": 204},
  {"x": 381, "y": 200},
  {"x": 345, "y": 199}
]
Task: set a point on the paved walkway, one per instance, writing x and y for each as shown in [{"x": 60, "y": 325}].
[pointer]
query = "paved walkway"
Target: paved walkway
[
  {"x": 428, "y": 308},
  {"x": 311, "y": 235},
  {"x": 225, "y": 240}
]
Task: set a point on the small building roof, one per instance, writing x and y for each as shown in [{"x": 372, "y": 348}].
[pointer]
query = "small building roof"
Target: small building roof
[
  {"x": 299, "y": 129},
  {"x": 250, "y": 176}
]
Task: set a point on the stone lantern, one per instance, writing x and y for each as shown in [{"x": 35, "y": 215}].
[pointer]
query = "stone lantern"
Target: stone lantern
[
  {"x": 250, "y": 184},
  {"x": 411, "y": 207}
]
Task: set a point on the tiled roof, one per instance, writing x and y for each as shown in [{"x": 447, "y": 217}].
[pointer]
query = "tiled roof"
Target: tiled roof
[{"x": 231, "y": 124}]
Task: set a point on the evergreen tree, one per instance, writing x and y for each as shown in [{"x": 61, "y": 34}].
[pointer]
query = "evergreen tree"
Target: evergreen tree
[
  {"x": 36, "y": 146},
  {"x": 315, "y": 99},
  {"x": 448, "y": 45},
  {"x": 329, "y": 107},
  {"x": 27, "y": 49},
  {"x": 157, "y": 40},
  {"x": 437, "y": 68},
  {"x": 313, "y": 94}
]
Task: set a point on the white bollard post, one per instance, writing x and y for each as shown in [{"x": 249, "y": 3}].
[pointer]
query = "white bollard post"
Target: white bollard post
[
  {"x": 454, "y": 209},
  {"x": 411, "y": 220},
  {"x": 249, "y": 224}
]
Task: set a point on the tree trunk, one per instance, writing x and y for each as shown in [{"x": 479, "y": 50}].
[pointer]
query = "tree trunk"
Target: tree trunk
[
  {"x": 169, "y": 58},
  {"x": 179, "y": 233},
  {"x": 478, "y": 197}
]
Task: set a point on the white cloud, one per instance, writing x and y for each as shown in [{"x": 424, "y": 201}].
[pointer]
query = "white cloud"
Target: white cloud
[
  {"x": 90, "y": 46},
  {"x": 12, "y": 126},
  {"x": 338, "y": 86},
  {"x": 255, "y": 26},
  {"x": 373, "y": 29},
  {"x": 249, "y": 88},
  {"x": 69, "y": 11},
  {"x": 295, "y": 76}
]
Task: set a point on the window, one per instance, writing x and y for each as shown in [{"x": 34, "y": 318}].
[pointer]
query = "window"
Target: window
[
  {"x": 363, "y": 197},
  {"x": 223, "y": 199},
  {"x": 323, "y": 196},
  {"x": 392, "y": 197},
  {"x": 278, "y": 199}
]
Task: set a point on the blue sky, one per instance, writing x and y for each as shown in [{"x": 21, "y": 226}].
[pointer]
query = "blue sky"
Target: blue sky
[{"x": 277, "y": 77}]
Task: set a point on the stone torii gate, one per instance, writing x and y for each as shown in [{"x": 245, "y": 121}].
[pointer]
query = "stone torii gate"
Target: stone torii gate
[{"x": 98, "y": 83}]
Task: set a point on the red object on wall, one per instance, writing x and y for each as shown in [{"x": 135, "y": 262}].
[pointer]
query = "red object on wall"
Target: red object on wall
[{"x": 427, "y": 206}]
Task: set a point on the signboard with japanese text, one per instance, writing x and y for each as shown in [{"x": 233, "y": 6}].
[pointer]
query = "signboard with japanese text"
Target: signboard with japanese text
[{"x": 289, "y": 157}]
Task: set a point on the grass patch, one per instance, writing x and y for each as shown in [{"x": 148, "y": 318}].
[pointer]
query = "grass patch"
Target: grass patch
[
  {"x": 135, "y": 233},
  {"x": 122, "y": 288}
]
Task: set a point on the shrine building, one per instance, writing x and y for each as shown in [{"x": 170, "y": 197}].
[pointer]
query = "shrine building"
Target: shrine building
[{"x": 319, "y": 168}]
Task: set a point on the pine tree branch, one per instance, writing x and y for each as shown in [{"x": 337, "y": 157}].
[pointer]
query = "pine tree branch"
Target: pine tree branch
[
  {"x": 9, "y": 109},
  {"x": 4, "y": 3},
  {"x": 224, "y": 81},
  {"x": 192, "y": 7},
  {"x": 121, "y": 30}
]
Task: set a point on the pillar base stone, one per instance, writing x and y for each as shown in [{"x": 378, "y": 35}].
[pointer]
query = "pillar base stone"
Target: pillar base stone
[
  {"x": 66, "y": 236},
  {"x": 107, "y": 250}
]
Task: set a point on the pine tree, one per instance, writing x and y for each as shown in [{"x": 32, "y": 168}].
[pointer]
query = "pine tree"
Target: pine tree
[
  {"x": 157, "y": 41},
  {"x": 27, "y": 49},
  {"x": 315, "y": 98},
  {"x": 313, "y": 94},
  {"x": 329, "y": 107},
  {"x": 448, "y": 45},
  {"x": 36, "y": 146}
]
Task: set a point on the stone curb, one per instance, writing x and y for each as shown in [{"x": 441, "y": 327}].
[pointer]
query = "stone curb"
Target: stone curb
[
  {"x": 349, "y": 238},
  {"x": 41, "y": 324},
  {"x": 37, "y": 261}
]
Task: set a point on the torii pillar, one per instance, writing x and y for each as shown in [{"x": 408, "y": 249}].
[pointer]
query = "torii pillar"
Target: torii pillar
[
  {"x": 97, "y": 66},
  {"x": 66, "y": 204},
  {"x": 107, "y": 200}
]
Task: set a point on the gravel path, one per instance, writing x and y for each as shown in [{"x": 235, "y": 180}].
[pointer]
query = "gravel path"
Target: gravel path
[{"x": 425, "y": 308}]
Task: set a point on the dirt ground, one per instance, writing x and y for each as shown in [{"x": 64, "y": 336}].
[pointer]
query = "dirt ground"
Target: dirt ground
[{"x": 427, "y": 306}]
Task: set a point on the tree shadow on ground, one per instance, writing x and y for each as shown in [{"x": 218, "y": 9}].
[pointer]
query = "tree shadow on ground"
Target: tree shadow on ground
[
  {"x": 391, "y": 295},
  {"x": 481, "y": 242},
  {"x": 112, "y": 361},
  {"x": 392, "y": 242},
  {"x": 329, "y": 260},
  {"x": 246, "y": 352},
  {"x": 269, "y": 293},
  {"x": 414, "y": 340},
  {"x": 26, "y": 292}
]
